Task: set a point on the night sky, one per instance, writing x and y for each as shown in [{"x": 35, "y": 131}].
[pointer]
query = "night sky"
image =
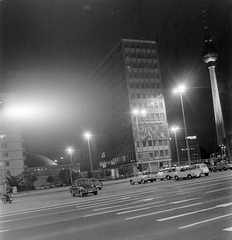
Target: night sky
[{"x": 49, "y": 48}]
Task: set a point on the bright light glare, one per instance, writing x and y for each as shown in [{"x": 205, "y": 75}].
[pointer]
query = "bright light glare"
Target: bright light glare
[
  {"x": 70, "y": 150},
  {"x": 139, "y": 112},
  {"x": 18, "y": 111},
  {"x": 143, "y": 112},
  {"x": 180, "y": 88},
  {"x": 135, "y": 111},
  {"x": 88, "y": 135},
  {"x": 174, "y": 129}
]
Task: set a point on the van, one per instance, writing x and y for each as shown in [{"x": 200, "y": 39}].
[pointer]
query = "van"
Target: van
[
  {"x": 202, "y": 167},
  {"x": 187, "y": 172}
]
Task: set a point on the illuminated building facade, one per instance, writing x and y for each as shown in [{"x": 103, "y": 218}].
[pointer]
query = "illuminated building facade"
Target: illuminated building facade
[{"x": 128, "y": 79}]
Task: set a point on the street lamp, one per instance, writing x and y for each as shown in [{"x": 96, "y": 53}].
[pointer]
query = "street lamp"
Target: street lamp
[
  {"x": 136, "y": 113},
  {"x": 70, "y": 150},
  {"x": 88, "y": 136},
  {"x": 180, "y": 89},
  {"x": 175, "y": 129}
]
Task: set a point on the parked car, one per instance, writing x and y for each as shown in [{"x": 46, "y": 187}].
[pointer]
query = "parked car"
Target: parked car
[
  {"x": 142, "y": 177},
  {"x": 202, "y": 167},
  {"x": 82, "y": 187},
  {"x": 165, "y": 174},
  {"x": 222, "y": 165},
  {"x": 186, "y": 172},
  {"x": 96, "y": 182}
]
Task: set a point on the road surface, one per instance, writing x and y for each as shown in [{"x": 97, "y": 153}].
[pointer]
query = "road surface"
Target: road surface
[{"x": 185, "y": 209}]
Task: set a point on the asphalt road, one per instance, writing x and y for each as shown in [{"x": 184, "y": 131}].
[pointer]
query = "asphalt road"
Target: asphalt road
[{"x": 185, "y": 209}]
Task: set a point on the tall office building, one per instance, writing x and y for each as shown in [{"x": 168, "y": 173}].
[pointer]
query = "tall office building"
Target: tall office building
[
  {"x": 11, "y": 144},
  {"x": 127, "y": 80}
]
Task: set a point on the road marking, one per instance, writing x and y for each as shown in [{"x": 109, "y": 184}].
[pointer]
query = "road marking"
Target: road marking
[
  {"x": 184, "y": 214},
  {"x": 228, "y": 229},
  {"x": 4, "y": 230},
  {"x": 6, "y": 221},
  {"x": 115, "y": 210},
  {"x": 120, "y": 205},
  {"x": 208, "y": 185},
  {"x": 208, "y": 220},
  {"x": 148, "y": 199},
  {"x": 167, "y": 210},
  {"x": 135, "y": 210},
  {"x": 219, "y": 190},
  {"x": 124, "y": 198},
  {"x": 161, "y": 205},
  {"x": 186, "y": 200},
  {"x": 225, "y": 205},
  {"x": 190, "y": 213}
]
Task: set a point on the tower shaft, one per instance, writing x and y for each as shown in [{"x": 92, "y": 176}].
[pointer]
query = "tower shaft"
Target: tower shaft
[{"x": 220, "y": 129}]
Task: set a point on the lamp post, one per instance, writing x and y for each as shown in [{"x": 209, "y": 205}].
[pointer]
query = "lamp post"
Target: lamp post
[
  {"x": 175, "y": 129},
  {"x": 180, "y": 89},
  {"x": 70, "y": 152},
  {"x": 136, "y": 113},
  {"x": 88, "y": 136}
]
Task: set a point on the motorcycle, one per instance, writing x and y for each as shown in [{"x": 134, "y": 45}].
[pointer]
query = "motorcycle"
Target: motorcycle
[{"x": 6, "y": 198}]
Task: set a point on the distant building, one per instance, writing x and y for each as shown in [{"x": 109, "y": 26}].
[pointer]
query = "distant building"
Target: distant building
[
  {"x": 194, "y": 150},
  {"x": 129, "y": 79},
  {"x": 42, "y": 167},
  {"x": 11, "y": 144}
]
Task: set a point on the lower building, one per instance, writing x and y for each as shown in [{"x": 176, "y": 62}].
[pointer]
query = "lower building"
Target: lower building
[{"x": 11, "y": 144}]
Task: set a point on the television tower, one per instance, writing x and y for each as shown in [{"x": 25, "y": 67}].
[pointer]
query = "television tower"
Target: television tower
[{"x": 210, "y": 55}]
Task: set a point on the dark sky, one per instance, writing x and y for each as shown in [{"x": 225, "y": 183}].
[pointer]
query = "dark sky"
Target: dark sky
[{"x": 50, "y": 47}]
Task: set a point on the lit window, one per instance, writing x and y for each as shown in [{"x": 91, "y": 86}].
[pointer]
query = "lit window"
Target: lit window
[{"x": 3, "y": 136}]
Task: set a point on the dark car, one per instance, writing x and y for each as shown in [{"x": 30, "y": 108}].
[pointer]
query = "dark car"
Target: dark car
[
  {"x": 97, "y": 183},
  {"x": 82, "y": 187}
]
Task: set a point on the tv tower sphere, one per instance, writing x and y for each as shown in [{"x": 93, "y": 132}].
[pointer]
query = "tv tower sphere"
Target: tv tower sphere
[{"x": 209, "y": 53}]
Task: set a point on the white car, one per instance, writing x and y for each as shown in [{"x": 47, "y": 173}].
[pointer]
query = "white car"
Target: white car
[
  {"x": 165, "y": 174},
  {"x": 186, "y": 172},
  {"x": 202, "y": 167},
  {"x": 142, "y": 177}
]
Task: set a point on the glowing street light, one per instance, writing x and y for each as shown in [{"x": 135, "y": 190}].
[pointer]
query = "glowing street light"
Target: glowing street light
[
  {"x": 88, "y": 136},
  {"x": 175, "y": 129},
  {"x": 70, "y": 150},
  {"x": 180, "y": 89},
  {"x": 136, "y": 113}
]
